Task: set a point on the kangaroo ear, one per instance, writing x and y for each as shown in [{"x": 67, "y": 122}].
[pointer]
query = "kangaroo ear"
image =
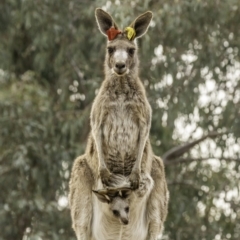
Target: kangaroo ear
[
  {"x": 141, "y": 24},
  {"x": 104, "y": 21},
  {"x": 124, "y": 192},
  {"x": 103, "y": 197}
]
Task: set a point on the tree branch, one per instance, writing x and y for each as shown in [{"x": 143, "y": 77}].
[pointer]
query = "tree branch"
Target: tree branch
[
  {"x": 178, "y": 151},
  {"x": 188, "y": 160}
]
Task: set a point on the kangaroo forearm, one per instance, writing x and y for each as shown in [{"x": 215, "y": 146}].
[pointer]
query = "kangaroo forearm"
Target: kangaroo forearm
[
  {"x": 141, "y": 146},
  {"x": 98, "y": 141}
]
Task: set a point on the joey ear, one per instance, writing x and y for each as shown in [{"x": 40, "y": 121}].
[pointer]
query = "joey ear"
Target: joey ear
[
  {"x": 124, "y": 192},
  {"x": 103, "y": 197},
  {"x": 104, "y": 21},
  {"x": 141, "y": 23}
]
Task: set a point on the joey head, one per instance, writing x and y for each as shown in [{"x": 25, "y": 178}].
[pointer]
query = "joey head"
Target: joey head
[{"x": 118, "y": 202}]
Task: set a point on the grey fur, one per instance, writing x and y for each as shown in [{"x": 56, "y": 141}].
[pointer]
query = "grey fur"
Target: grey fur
[{"x": 119, "y": 145}]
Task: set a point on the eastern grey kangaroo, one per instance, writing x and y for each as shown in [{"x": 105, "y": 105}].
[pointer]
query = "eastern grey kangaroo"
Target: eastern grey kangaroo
[
  {"x": 119, "y": 139},
  {"x": 121, "y": 211},
  {"x": 121, "y": 114}
]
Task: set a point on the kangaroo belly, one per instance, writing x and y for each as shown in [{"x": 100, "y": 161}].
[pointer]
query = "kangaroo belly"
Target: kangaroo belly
[{"x": 120, "y": 140}]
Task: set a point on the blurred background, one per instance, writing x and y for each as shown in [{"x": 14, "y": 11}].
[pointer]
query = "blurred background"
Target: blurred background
[{"x": 51, "y": 66}]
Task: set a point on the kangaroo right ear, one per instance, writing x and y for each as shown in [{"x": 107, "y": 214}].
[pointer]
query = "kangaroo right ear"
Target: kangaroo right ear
[
  {"x": 141, "y": 24},
  {"x": 104, "y": 21},
  {"x": 103, "y": 197}
]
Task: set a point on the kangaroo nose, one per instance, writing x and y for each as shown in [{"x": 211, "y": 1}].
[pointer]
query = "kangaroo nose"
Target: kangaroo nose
[{"x": 120, "y": 66}]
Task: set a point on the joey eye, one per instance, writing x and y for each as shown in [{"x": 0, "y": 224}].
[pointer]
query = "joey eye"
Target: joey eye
[
  {"x": 127, "y": 209},
  {"x": 116, "y": 213},
  {"x": 110, "y": 50},
  {"x": 131, "y": 51}
]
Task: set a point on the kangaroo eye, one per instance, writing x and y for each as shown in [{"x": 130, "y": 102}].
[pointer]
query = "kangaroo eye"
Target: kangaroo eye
[
  {"x": 110, "y": 50},
  {"x": 127, "y": 209},
  {"x": 116, "y": 213},
  {"x": 131, "y": 51}
]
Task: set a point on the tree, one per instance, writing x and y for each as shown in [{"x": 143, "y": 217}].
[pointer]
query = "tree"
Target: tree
[{"x": 51, "y": 58}]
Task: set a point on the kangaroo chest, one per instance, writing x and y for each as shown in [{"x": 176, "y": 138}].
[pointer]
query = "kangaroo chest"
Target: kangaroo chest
[{"x": 120, "y": 134}]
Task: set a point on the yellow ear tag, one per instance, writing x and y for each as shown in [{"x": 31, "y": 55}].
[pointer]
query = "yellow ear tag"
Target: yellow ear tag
[{"x": 130, "y": 33}]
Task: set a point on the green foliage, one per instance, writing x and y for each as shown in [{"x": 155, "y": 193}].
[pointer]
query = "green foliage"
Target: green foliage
[
  {"x": 51, "y": 64},
  {"x": 37, "y": 144}
]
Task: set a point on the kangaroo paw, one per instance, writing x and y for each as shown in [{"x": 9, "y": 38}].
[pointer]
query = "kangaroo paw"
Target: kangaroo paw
[
  {"x": 135, "y": 179},
  {"x": 105, "y": 176}
]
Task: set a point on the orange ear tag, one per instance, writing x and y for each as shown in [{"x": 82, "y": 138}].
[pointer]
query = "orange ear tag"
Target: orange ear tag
[{"x": 112, "y": 33}]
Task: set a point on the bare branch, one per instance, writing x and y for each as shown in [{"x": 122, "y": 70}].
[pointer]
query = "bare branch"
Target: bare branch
[
  {"x": 178, "y": 151},
  {"x": 189, "y": 160}
]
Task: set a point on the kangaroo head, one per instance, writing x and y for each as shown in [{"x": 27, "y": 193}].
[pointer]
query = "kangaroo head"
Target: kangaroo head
[
  {"x": 118, "y": 201},
  {"x": 121, "y": 56}
]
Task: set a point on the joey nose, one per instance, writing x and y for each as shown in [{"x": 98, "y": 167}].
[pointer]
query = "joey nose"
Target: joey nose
[
  {"x": 125, "y": 221},
  {"x": 120, "y": 65}
]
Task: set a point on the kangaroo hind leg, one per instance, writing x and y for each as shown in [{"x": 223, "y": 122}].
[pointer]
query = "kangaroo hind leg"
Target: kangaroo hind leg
[
  {"x": 158, "y": 200},
  {"x": 80, "y": 198}
]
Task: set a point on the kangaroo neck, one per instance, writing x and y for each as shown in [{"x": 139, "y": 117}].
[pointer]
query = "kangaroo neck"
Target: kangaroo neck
[{"x": 122, "y": 84}]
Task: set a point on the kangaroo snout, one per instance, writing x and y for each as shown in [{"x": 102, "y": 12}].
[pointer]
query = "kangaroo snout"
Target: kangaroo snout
[
  {"x": 125, "y": 221},
  {"x": 120, "y": 68},
  {"x": 120, "y": 65}
]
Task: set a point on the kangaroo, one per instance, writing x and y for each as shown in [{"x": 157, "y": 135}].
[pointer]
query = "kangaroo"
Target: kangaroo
[
  {"x": 123, "y": 208},
  {"x": 118, "y": 211},
  {"x": 118, "y": 200},
  {"x": 119, "y": 144},
  {"x": 121, "y": 114}
]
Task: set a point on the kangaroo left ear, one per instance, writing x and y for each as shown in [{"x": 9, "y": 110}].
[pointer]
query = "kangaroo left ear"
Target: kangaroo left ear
[
  {"x": 105, "y": 21},
  {"x": 141, "y": 24}
]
